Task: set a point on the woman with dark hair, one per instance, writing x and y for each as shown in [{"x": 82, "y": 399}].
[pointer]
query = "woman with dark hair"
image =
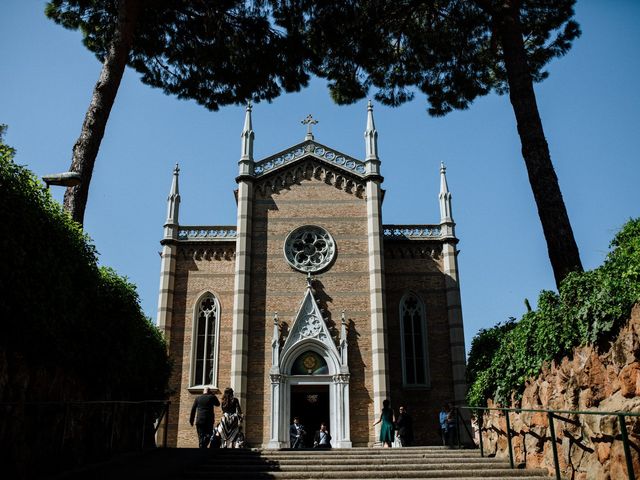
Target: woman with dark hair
[
  {"x": 386, "y": 431},
  {"x": 229, "y": 427}
]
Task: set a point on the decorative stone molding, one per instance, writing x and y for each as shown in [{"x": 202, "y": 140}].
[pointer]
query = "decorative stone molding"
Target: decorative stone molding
[
  {"x": 199, "y": 233},
  {"x": 209, "y": 253},
  {"x": 424, "y": 250},
  {"x": 307, "y": 170},
  {"x": 313, "y": 149},
  {"x": 276, "y": 378},
  {"x": 411, "y": 232},
  {"x": 341, "y": 378}
]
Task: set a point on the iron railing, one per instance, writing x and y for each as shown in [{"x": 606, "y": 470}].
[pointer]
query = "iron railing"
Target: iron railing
[{"x": 551, "y": 415}]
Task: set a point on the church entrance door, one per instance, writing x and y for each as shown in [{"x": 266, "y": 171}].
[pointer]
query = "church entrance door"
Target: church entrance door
[{"x": 310, "y": 403}]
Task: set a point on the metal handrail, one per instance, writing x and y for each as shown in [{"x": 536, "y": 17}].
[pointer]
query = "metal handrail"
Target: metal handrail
[{"x": 551, "y": 414}]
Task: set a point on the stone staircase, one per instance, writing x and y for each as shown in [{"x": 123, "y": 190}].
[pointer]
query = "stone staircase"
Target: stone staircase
[{"x": 357, "y": 463}]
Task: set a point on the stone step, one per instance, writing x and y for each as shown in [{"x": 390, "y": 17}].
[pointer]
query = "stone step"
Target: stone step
[
  {"x": 348, "y": 454},
  {"x": 407, "y": 473},
  {"x": 356, "y": 464},
  {"x": 349, "y": 468},
  {"x": 358, "y": 461}
]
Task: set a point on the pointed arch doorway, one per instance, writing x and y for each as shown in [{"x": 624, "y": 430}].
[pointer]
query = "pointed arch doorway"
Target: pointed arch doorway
[
  {"x": 310, "y": 403},
  {"x": 309, "y": 374}
]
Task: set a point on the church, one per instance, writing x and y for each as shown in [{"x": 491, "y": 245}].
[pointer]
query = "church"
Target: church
[{"x": 310, "y": 305}]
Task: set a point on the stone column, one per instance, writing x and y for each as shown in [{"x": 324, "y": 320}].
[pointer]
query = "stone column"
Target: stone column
[
  {"x": 277, "y": 389},
  {"x": 376, "y": 265},
  {"x": 342, "y": 429},
  {"x": 242, "y": 287}
]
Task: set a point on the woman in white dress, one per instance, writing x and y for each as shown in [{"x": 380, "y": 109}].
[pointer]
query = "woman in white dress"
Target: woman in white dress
[{"x": 229, "y": 427}]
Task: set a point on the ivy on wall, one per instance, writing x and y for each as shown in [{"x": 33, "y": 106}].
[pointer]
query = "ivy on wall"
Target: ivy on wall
[{"x": 590, "y": 308}]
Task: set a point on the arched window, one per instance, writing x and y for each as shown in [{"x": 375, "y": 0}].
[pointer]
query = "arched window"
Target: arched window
[
  {"x": 413, "y": 330},
  {"x": 204, "y": 367}
]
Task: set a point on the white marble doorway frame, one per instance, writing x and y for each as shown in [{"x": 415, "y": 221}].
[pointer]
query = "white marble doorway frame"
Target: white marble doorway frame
[{"x": 281, "y": 384}]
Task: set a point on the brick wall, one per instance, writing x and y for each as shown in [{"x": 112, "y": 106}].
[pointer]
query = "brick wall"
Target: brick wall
[
  {"x": 199, "y": 268},
  {"x": 275, "y": 286},
  {"x": 416, "y": 267}
]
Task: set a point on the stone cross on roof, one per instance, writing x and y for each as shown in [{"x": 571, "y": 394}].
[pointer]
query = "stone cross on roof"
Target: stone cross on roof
[{"x": 309, "y": 121}]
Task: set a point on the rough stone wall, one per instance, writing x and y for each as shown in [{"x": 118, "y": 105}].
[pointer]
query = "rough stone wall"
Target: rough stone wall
[
  {"x": 589, "y": 446},
  {"x": 200, "y": 268},
  {"x": 275, "y": 286},
  {"x": 417, "y": 267}
]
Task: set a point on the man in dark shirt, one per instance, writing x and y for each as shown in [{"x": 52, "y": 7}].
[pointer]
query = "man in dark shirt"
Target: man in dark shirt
[
  {"x": 322, "y": 438},
  {"x": 404, "y": 428},
  {"x": 297, "y": 434},
  {"x": 203, "y": 407}
]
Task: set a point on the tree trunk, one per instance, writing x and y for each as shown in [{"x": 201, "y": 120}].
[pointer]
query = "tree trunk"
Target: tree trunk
[
  {"x": 561, "y": 245},
  {"x": 86, "y": 147}
]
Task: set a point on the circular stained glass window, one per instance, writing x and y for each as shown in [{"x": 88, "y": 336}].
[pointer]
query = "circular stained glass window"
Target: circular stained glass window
[{"x": 309, "y": 248}]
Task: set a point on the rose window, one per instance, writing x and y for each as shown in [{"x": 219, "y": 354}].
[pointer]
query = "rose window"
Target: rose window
[{"x": 309, "y": 248}]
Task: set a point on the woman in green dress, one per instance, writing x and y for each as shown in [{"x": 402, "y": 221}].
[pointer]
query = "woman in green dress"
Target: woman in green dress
[{"x": 386, "y": 431}]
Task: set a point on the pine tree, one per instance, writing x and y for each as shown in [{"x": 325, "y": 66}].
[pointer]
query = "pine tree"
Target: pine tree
[
  {"x": 453, "y": 51},
  {"x": 214, "y": 52}
]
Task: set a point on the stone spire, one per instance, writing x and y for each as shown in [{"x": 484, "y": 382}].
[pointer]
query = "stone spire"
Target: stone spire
[
  {"x": 446, "y": 217},
  {"x": 246, "y": 153},
  {"x": 371, "y": 143},
  {"x": 173, "y": 207},
  {"x": 371, "y": 135}
]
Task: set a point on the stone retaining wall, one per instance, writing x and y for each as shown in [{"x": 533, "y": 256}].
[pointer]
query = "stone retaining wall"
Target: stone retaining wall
[{"x": 589, "y": 446}]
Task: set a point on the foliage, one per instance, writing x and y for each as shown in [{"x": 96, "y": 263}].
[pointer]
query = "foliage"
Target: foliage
[
  {"x": 216, "y": 53},
  {"x": 59, "y": 309},
  {"x": 591, "y": 308},
  {"x": 452, "y": 50},
  {"x": 483, "y": 347}
]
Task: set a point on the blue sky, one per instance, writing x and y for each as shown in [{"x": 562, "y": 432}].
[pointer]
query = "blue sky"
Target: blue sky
[{"x": 590, "y": 109}]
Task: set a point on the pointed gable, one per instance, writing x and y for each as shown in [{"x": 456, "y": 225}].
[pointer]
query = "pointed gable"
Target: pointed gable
[
  {"x": 309, "y": 325},
  {"x": 310, "y": 149}
]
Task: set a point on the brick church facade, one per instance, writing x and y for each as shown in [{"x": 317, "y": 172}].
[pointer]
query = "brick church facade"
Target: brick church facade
[{"x": 310, "y": 305}]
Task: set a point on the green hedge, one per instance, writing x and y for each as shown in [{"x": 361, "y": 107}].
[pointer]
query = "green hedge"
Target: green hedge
[
  {"x": 60, "y": 310},
  {"x": 591, "y": 308}
]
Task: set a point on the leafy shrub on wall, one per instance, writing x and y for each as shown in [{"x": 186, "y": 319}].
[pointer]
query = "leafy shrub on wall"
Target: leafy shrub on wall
[{"x": 590, "y": 309}]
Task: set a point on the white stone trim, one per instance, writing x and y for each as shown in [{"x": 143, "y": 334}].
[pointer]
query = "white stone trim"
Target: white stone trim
[{"x": 337, "y": 378}]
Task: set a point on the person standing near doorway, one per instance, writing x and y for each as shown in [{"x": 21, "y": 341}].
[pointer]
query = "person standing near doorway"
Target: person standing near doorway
[
  {"x": 322, "y": 438},
  {"x": 202, "y": 413},
  {"x": 404, "y": 426},
  {"x": 386, "y": 431},
  {"x": 296, "y": 434}
]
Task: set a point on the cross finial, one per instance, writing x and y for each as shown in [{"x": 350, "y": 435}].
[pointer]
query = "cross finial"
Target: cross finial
[
  {"x": 309, "y": 121},
  {"x": 176, "y": 170}
]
